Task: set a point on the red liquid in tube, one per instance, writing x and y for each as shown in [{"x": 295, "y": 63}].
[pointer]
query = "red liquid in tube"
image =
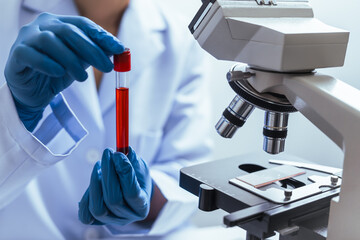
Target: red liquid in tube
[
  {"x": 122, "y": 67},
  {"x": 122, "y": 120}
]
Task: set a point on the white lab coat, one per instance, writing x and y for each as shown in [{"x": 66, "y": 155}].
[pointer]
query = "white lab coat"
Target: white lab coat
[{"x": 44, "y": 174}]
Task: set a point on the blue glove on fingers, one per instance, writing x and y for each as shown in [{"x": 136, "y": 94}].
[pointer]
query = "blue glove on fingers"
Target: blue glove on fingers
[
  {"x": 119, "y": 190},
  {"x": 48, "y": 55},
  {"x": 135, "y": 182},
  {"x": 143, "y": 185},
  {"x": 107, "y": 42},
  {"x": 84, "y": 212}
]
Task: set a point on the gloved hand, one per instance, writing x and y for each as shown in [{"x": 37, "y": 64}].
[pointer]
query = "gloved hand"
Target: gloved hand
[
  {"x": 49, "y": 54},
  {"x": 119, "y": 192}
]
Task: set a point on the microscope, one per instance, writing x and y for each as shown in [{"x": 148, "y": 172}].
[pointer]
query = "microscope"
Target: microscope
[{"x": 282, "y": 46}]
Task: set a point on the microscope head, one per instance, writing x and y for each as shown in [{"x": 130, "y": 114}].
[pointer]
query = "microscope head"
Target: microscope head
[
  {"x": 271, "y": 36},
  {"x": 280, "y": 35}
]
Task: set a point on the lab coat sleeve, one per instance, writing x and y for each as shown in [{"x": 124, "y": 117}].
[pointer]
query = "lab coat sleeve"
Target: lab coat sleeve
[
  {"x": 186, "y": 141},
  {"x": 24, "y": 154}
]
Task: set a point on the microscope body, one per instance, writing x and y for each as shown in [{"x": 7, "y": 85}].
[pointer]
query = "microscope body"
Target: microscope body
[
  {"x": 282, "y": 44},
  {"x": 334, "y": 107}
]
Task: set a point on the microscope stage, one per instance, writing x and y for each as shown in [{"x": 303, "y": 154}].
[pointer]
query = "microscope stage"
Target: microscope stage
[{"x": 211, "y": 181}]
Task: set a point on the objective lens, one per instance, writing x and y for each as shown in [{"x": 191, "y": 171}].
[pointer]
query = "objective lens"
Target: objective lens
[
  {"x": 275, "y": 132},
  {"x": 234, "y": 117}
]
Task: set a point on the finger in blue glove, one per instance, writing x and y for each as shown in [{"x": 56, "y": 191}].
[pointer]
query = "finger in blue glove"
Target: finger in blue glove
[
  {"x": 49, "y": 54},
  {"x": 119, "y": 191}
]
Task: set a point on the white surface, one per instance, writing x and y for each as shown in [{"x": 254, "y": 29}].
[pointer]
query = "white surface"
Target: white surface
[
  {"x": 209, "y": 233},
  {"x": 218, "y": 232}
]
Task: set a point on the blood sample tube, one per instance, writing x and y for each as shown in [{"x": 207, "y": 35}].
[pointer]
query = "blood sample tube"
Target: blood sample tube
[{"x": 122, "y": 67}]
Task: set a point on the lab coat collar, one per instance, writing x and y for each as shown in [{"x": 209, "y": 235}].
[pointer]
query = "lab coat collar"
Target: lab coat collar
[
  {"x": 41, "y": 5},
  {"x": 61, "y": 7},
  {"x": 141, "y": 30},
  {"x": 149, "y": 17}
]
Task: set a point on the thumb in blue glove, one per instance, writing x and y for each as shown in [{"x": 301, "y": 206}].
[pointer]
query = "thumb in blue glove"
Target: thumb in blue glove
[
  {"x": 49, "y": 54},
  {"x": 119, "y": 192}
]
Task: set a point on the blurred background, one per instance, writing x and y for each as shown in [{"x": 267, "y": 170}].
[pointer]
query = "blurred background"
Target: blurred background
[{"x": 304, "y": 140}]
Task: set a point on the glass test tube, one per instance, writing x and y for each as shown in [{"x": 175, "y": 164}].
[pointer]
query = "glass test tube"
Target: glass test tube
[{"x": 122, "y": 67}]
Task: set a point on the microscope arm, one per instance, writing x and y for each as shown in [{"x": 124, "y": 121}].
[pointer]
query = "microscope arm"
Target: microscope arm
[{"x": 334, "y": 107}]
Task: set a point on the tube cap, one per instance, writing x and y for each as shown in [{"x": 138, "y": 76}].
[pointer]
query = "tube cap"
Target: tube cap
[{"x": 122, "y": 62}]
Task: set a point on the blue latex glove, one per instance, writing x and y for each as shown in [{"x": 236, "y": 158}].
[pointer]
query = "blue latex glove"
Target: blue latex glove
[
  {"x": 49, "y": 54},
  {"x": 119, "y": 192}
]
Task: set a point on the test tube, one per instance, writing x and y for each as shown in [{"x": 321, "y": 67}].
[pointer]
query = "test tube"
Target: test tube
[{"x": 122, "y": 67}]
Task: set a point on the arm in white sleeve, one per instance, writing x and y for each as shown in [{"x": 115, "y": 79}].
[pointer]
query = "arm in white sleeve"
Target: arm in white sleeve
[
  {"x": 186, "y": 138},
  {"x": 186, "y": 141},
  {"x": 24, "y": 154}
]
